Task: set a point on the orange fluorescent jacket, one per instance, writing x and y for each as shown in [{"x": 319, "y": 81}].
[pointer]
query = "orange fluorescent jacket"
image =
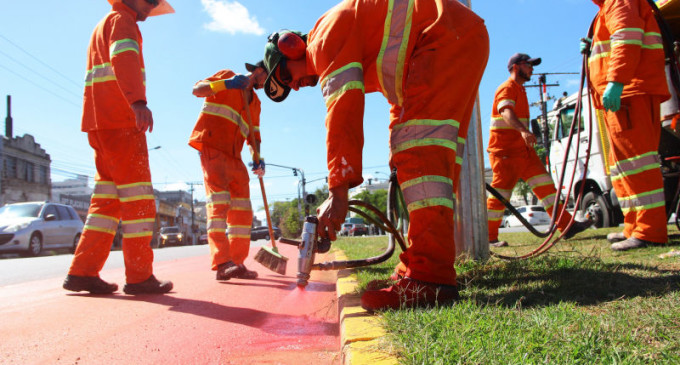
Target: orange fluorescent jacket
[
  {"x": 504, "y": 139},
  {"x": 115, "y": 72},
  {"x": 627, "y": 48},
  {"x": 223, "y": 123}
]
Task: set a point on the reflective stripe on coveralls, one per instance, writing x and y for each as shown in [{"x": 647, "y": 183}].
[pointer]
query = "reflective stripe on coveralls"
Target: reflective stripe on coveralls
[
  {"x": 637, "y": 37},
  {"x": 392, "y": 56},
  {"x": 226, "y": 112},
  {"x": 497, "y": 214},
  {"x": 346, "y": 78},
  {"x": 217, "y": 201},
  {"x": 428, "y": 191},
  {"x": 642, "y": 200},
  {"x": 499, "y": 123}
]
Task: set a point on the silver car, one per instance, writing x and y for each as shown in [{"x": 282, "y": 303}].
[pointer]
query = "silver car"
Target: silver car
[{"x": 29, "y": 228}]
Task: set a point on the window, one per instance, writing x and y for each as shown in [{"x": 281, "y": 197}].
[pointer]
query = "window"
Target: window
[
  {"x": 42, "y": 175},
  {"x": 29, "y": 171},
  {"x": 10, "y": 167},
  {"x": 50, "y": 209},
  {"x": 538, "y": 209},
  {"x": 521, "y": 209},
  {"x": 63, "y": 213},
  {"x": 565, "y": 120}
]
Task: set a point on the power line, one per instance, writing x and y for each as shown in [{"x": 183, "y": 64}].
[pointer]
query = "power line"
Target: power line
[{"x": 41, "y": 62}]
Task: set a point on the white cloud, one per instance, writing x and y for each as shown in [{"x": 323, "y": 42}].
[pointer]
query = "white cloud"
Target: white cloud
[{"x": 230, "y": 17}]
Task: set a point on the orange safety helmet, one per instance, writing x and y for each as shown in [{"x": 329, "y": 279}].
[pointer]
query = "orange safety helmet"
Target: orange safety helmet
[{"x": 162, "y": 8}]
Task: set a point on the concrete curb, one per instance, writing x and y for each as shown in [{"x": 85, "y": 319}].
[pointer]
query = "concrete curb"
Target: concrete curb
[{"x": 361, "y": 335}]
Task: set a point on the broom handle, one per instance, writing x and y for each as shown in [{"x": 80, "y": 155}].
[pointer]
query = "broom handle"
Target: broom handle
[{"x": 256, "y": 159}]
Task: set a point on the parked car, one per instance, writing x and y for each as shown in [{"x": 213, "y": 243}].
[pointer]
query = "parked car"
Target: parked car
[
  {"x": 262, "y": 232},
  {"x": 31, "y": 227},
  {"x": 170, "y": 236},
  {"x": 504, "y": 222},
  {"x": 534, "y": 214},
  {"x": 203, "y": 239},
  {"x": 354, "y": 229}
]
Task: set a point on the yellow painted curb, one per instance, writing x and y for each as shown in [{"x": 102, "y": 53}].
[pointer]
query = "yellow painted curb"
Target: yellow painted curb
[{"x": 361, "y": 334}]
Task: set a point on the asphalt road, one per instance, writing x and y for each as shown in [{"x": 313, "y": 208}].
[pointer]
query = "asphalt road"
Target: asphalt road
[{"x": 202, "y": 321}]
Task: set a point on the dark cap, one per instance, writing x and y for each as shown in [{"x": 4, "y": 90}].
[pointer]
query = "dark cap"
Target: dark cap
[
  {"x": 522, "y": 57},
  {"x": 274, "y": 88},
  {"x": 251, "y": 68}
]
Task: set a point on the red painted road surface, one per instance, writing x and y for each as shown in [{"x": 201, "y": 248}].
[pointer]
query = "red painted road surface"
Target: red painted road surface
[{"x": 202, "y": 321}]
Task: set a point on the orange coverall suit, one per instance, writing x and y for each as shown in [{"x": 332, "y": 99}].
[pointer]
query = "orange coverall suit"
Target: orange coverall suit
[
  {"x": 627, "y": 48},
  {"x": 511, "y": 159},
  {"x": 220, "y": 131},
  {"x": 427, "y": 58},
  {"x": 115, "y": 79}
]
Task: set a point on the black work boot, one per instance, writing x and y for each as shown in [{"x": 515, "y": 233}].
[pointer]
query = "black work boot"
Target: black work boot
[
  {"x": 92, "y": 284},
  {"x": 576, "y": 228},
  {"x": 237, "y": 271},
  {"x": 148, "y": 286},
  {"x": 222, "y": 270}
]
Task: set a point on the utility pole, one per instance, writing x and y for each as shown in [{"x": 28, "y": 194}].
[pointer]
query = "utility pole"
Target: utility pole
[
  {"x": 191, "y": 190},
  {"x": 543, "y": 91}
]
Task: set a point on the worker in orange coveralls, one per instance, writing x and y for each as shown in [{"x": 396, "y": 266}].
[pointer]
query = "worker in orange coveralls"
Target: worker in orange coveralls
[
  {"x": 628, "y": 80},
  {"x": 512, "y": 154},
  {"x": 220, "y": 131},
  {"x": 116, "y": 118},
  {"x": 427, "y": 58}
]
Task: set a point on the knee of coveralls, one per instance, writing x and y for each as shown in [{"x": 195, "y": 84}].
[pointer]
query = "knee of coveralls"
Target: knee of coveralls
[
  {"x": 95, "y": 242},
  {"x": 534, "y": 174},
  {"x": 240, "y": 215},
  {"x": 505, "y": 176},
  {"x": 216, "y": 181},
  {"x": 634, "y": 133}
]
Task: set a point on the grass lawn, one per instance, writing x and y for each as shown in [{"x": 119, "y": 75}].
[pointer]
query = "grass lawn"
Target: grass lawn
[{"x": 580, "y": 303}]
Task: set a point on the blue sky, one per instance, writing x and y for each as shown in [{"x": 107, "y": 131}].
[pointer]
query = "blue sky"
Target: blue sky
[{"x": 42, "y": 65}]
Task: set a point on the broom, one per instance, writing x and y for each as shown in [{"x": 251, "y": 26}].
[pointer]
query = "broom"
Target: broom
[{"x": 267, "y": 257}]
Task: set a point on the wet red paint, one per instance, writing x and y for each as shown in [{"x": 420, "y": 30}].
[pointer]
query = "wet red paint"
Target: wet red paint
[{"x": 202, "y": 321}]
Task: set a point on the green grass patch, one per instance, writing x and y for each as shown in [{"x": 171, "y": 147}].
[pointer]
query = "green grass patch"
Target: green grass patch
[{"x": 580, "y": 303}]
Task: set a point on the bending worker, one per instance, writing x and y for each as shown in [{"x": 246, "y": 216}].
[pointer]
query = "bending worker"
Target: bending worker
[
  {"x": 220, "y": 131},
  {"x": 629, "y": 82},
  {"x": 511, "y": 151},
  {"x": 427, "y": 58},
  {"x": 116, "y": 118}
]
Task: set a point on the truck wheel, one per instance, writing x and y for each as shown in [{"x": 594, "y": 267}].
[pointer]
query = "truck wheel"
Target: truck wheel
[{"x": 594, "y": 206}]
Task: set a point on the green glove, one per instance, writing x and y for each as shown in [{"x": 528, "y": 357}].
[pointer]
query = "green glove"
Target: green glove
[
  {"x": 611, "y": 100},
  {"x": 585, "y": 44}
]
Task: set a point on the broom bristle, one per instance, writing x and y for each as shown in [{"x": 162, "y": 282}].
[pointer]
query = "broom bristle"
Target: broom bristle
[{"x": 272, "y": 260}]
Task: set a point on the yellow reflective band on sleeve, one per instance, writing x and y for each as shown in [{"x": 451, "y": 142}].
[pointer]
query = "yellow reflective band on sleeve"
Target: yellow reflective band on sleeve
[{"x": 123, "y": 45}]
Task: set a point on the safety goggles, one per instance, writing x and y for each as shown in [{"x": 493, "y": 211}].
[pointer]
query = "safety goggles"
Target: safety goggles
[{"x": 284, "y": 77}]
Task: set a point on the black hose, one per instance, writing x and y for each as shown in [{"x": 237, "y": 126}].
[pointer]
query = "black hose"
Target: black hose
[{"x": 517, "y": 214}]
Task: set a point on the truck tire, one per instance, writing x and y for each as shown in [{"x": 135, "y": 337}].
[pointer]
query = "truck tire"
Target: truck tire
[{"x": 593, "y": 204}]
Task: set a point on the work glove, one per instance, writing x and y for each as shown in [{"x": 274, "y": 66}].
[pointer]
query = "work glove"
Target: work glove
[
  {"x": 585, "y": 44},
  {"x": 258, "y": 168},
  {"x": 241, "y": 82},
  {"x": 611, "y": 100}
]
